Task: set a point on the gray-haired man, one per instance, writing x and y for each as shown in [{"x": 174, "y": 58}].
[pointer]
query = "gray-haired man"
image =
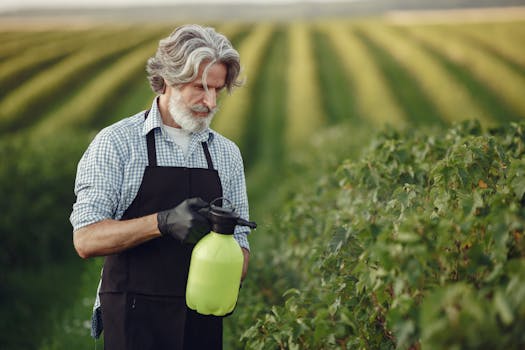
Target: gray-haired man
[{"x": 140, "y": 186}]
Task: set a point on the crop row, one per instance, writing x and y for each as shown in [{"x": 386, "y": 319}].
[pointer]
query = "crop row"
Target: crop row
[
  {"x": 16, "y": 70},
  {"x": 488, "y": 70},
  {"x": 376, "y": 73},
  {"x": 92, "y": 99},
  {"x": 372, "y": 96},
  {"x": 16, "y": 43},
  {"x": 26, "y": 104}
]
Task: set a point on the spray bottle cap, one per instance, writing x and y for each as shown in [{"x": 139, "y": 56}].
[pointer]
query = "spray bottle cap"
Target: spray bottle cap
[{"x": 224, "y": 218}]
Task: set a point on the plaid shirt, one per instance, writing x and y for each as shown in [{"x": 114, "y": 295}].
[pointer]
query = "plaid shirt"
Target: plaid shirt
[{"x": 110, "y": 172}]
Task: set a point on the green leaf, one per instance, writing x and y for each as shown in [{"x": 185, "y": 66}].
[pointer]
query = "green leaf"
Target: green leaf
[
  {"x": 407, "y": 237},
  {"x": 503, "y": 308}
]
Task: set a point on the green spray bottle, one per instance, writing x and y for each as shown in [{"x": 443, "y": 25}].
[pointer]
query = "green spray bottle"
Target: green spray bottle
[{"x": 216, "y": 264}]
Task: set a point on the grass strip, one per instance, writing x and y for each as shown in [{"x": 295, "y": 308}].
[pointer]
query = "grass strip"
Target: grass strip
[
  {"x": 39, "y": 95},
  {"x": 451, "y": 100},
  {"x": 419, "y": 108},
  {"x": 374, "y": 100},
  {"x": 460, "y": 67},
  {"x": 88, "y": 107},
  {"x": 8, "y": 37},
  {"x": 496, "y": 40},
  {"x": 16, "y": 71},
  {"x": 337, "y": 91},
  {"x": 16, "y": 43},
  {"x": 263, "y": 145},
  {"x": 304, "y": 112},
  {"x": 503, "y": 81}
]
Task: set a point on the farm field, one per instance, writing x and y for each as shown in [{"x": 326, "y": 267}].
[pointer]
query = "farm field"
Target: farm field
[{"x": 358, "y": 137}]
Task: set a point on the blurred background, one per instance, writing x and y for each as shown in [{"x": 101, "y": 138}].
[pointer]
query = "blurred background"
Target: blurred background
[{"x": 67, "y": 69}]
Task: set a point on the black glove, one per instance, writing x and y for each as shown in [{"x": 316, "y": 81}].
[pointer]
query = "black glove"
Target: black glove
[{"x": 185, "y": 222}]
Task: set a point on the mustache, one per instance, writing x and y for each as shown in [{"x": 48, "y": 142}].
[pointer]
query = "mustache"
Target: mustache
[{"x": 202, "y": 109}]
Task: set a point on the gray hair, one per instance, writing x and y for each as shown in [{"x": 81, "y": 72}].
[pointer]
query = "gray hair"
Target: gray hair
[{"x": 180, "y": 55}]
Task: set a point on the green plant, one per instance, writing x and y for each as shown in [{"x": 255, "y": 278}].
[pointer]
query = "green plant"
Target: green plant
[{"x": 419, "y": 242}]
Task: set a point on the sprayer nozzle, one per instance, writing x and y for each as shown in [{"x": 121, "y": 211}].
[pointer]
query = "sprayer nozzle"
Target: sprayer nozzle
[{"x": 250, "y": 224}]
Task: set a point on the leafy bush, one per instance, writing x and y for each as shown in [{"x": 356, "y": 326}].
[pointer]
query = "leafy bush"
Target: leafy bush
[
  {"x": 36, "y": 179},
  {"x": 37, "y": 261},
  {"x": 418, "y": 244}
]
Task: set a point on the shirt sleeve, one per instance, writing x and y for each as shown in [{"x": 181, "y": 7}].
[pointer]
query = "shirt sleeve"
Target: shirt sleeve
[
  {"x": 98, "y": 181},
  {"x": 239, "y": 198}
]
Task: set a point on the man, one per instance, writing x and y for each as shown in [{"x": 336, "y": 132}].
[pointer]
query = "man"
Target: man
[{"x": 141, "y": 186}]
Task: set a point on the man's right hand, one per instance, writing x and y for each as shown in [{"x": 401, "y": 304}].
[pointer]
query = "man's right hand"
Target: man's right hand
[{"x": 184, "y": 222}]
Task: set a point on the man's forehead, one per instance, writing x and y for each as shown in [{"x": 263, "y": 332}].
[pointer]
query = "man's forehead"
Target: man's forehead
[{"x": 215, "y": 74}]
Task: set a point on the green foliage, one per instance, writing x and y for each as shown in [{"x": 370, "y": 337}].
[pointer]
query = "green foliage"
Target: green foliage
[
  {"x": 71, "y": 327},
  {"x": 419, "y": 243},
  {"x": 33, "y": 298},
  {"x": 36, "y": 254},
  {"x": 265, "y": 284},
  {"x": 36, "y": 182}
]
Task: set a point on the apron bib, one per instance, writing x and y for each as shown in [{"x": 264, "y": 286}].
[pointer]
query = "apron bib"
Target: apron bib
[{"x": 143, "y": 288}]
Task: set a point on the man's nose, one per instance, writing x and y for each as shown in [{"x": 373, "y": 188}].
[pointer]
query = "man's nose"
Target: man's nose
[{"x": 210, "y": 98}]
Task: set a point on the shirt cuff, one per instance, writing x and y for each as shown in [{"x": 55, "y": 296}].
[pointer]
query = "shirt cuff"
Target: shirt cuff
[{"x": 242, "y": 239}]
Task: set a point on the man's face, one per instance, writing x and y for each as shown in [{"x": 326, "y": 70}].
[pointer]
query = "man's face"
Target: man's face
[{"x": 191, "y": 106}]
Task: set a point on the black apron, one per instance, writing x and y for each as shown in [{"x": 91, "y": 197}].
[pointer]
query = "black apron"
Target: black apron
[{"x": 143, "y": 289}]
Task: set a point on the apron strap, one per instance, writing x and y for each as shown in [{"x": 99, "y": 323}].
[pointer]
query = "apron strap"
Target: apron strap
[
  {"x": 150, "y": 140},
  {"x": 207, "y": 154}
]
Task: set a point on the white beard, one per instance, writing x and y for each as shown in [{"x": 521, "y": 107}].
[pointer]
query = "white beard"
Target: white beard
[{"x": 182, "y": 115}]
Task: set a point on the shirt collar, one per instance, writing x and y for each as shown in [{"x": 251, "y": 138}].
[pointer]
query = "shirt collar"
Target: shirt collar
[{"x": 154, "y": 120}]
